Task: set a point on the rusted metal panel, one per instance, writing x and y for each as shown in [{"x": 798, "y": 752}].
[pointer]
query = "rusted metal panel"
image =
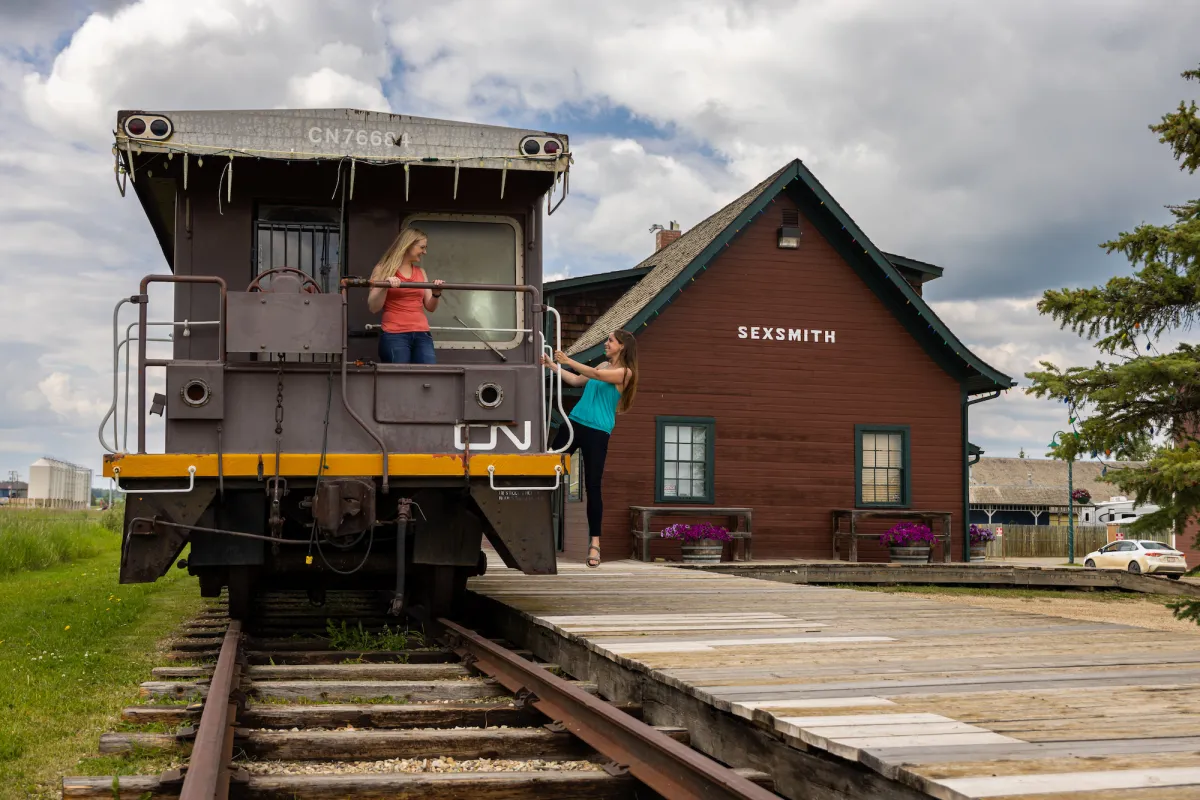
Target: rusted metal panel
[
  {"x": 521, "y": 529},
  {"x": 145, "y": 557},
  {"x": 268, "y": 322},
  {"x": 409, "y": 397}
]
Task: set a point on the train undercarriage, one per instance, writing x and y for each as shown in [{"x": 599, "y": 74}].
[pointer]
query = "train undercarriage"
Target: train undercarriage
[{"x": 417, "y": 545}]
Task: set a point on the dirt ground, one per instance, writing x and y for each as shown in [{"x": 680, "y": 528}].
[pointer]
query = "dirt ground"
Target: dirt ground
[{"x": 1095, "y": 607}]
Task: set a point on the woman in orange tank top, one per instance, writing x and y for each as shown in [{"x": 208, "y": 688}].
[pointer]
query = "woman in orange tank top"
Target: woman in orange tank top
[{"x": 405, "y": 338}]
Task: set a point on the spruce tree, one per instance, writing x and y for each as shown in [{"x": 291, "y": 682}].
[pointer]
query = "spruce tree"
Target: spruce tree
[{"x": 1118, "y": 405}]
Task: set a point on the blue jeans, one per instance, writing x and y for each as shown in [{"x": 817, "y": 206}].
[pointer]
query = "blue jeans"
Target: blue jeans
[{"x": 406, "y": 348}]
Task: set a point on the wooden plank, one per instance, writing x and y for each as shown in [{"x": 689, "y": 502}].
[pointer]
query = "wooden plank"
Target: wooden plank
[
  {"x": 701, "y": 646},
  {"x": 367, "y": 745},
  {"x": 1001, "y": 786},
  {"x": 413, "y": 691},
  {"x": 437, "y": 656},
  {"x": 412, "y": 672},
  {"x": 545, "y": 785},
  {"x": 996, "y": 687}
]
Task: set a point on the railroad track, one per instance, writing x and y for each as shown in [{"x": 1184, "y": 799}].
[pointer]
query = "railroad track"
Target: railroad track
[{"x": 273, "y": 710}]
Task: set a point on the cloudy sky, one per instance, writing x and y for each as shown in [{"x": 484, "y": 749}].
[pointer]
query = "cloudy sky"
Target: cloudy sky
[{"x": 1002, "y": 141}]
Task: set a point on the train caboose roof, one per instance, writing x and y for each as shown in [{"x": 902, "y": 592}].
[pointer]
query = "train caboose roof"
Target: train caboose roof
[{"x": 341, "y": 133}]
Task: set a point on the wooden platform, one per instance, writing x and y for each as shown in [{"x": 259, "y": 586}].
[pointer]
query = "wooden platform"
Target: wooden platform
[
  {"x": 952, "y": 701},
  {"x": 977, "y": 574}
]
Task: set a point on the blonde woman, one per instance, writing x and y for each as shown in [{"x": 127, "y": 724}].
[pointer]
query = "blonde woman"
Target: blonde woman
[
  {"x": 608, "y": 390},
  {"x": 405, "y": 338}
]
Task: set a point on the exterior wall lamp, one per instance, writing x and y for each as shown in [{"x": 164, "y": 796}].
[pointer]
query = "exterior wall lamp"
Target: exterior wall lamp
[{"x": 789, "y": 231}]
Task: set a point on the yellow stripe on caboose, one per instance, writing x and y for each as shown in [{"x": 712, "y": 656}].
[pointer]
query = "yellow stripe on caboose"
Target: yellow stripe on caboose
[{"x": 297, "y": 465}]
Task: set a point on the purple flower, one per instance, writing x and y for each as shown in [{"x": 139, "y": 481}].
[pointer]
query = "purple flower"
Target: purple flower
[
  {"x": 980, "y": 535},
  {"x": 907, "y": 534},
  {"x": 695, "y": 532}
]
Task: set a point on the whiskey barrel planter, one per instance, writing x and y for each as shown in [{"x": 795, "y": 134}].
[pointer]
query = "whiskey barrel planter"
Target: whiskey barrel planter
[
  {"x": 703, "y": 551},
  {"x": 909, "y": 555},
  {"x": 979, "y": 552}
]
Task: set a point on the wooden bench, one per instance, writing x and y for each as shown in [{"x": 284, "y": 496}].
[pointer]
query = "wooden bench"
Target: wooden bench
[
  {"x": 853, "y": 515},
  {"x": 739, "y": 530}
]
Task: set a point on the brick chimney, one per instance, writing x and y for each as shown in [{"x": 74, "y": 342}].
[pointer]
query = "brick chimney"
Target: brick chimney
[{"x": 664, "y": 236}]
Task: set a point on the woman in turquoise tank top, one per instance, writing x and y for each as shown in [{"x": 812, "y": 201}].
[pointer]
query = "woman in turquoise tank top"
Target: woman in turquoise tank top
[{"x": 608, "y": 390}]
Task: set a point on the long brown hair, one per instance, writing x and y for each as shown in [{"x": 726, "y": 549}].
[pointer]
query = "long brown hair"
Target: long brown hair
[
  {"x": 389, "y": 264},
  {"x": 629, "y": 361}
]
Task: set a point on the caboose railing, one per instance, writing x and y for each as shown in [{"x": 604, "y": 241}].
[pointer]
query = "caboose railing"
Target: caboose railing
[
  {"x": 144, "y": 361},
  {"x": 536, "y": 308},
  {"x": 143, "y": 338},
  {"x": 143, "y": 299}
]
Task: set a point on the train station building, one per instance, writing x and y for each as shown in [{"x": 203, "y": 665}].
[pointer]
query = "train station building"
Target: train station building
[{"x": 788, "y": 367}]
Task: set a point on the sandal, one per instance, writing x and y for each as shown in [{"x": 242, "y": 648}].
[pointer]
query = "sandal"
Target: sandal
[{"x": 593, "y": 561}]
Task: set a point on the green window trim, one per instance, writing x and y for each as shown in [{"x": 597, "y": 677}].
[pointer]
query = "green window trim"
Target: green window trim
[
  {"x": 905, "y": 465},
  {"x": 709, "y": 493}
]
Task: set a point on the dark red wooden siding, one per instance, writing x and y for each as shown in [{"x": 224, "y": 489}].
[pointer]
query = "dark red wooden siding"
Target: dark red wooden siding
[{"x": 785, "y": 411}]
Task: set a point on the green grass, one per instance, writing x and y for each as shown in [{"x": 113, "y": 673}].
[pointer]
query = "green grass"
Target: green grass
[
  {"x": 32, "y": 540},
  {"x": 1105, "y": 596},
  {"x": 74, "y": 645},
  {"x": 357, "y": 638}
]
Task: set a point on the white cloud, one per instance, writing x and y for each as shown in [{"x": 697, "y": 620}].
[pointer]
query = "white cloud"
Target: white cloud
[
  {"x": 67, "y": 400},
  {"x": 1002, "y": 141}
]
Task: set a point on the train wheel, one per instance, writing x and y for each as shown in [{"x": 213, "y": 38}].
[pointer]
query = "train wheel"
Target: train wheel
[{"x": 241, "y": 591}]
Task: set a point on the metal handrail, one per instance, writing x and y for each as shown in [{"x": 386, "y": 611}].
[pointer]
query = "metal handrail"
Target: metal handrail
[
  {"x": 558, "y": 473},
  {"x": 112, "y": 409},
  {"x": 142, "y": 299},
  {"x": 352, "y": 282},
  {"x": 187, "y": 323},
  {"x": 558, "y": 373},
  {"x": 191, "y": 484}
]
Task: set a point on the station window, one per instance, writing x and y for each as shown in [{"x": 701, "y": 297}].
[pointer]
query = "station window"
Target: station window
[
  {"x": 881, "y": 458},
  {"x": 306, "y": 238},
  {"x": 684, "y": 461}
]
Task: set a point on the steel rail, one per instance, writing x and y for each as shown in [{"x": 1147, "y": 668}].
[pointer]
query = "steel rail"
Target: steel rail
[
  {"x": 668, "y": 767},
  {"x": 208, "y": 772}
]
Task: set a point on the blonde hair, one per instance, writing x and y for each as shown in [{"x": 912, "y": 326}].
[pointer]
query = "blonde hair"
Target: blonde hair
[{"x": 389, "y": 264}]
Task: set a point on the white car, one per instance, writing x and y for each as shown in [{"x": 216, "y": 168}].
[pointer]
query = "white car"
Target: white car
[{"x": 1138, "y": 556}]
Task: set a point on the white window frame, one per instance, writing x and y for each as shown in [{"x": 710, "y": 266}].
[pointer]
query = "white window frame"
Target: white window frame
[{"x": 415, "y": 220}]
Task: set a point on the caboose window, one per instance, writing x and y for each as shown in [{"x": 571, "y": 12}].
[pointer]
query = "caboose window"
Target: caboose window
[
  {"x": 301, "y": 237},
  {"x": 684, "y": 464},
  {"x": 470, "y": 248},
  {"x": 881, "y": 457}
]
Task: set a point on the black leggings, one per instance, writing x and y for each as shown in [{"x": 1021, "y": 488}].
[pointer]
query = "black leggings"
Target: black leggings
[{"x": 594, "y": 445}]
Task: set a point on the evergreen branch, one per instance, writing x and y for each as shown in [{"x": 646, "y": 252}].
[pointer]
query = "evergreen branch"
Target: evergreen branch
[{"x": 1181, "y": 130}]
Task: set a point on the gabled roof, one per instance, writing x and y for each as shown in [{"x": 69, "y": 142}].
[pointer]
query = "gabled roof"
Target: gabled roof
[
  {"x": 667, "y": 264},
  {"x": 925, "y": 271},
  {"x": 1039, "y": 481},
  {"x": 595, "y": 279},
  {"x": 681, "y": 261}
]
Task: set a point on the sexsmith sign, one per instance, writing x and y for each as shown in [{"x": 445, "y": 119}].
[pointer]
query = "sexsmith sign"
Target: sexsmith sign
[{"x": 786, "y": 334}]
